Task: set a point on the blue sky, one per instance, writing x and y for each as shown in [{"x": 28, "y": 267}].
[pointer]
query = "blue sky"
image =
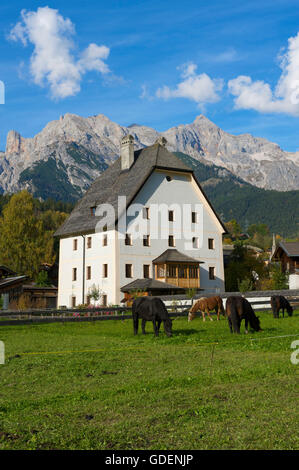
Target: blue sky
[{"x": 157, "y": 63}]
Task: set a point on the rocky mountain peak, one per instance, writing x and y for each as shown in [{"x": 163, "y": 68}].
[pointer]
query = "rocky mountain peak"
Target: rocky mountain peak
[
  {"x": 72, "y": 151},
  {"x": 14, "y": 143}
]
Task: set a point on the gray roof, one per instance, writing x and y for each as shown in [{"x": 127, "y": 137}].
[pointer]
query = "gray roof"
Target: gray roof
[
  {"x": 10, "y": 281},
  {"x": 115, "y": 182},
  {"x": 150, "y": 284},
  {"x": 6, "y": 270},
  {"x": 290, "y": 248},
  {"x": 173, "y": 255}
]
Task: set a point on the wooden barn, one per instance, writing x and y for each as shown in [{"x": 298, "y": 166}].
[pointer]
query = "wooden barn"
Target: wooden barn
[{"x": 287, "y": 254}]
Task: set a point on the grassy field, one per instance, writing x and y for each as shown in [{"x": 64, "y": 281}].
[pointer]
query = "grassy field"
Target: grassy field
[{"x": 96, "y": 386}]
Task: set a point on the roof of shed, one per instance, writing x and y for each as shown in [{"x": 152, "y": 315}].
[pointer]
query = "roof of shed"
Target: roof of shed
[{"x": 149, "y": 284}]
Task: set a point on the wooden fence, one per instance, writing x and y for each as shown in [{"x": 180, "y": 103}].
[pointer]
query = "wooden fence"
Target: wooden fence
[{"x": 177, "y": 305}]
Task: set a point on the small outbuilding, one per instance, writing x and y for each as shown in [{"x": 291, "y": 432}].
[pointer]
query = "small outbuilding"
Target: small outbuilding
[
  {"x": 19, "y": 293},
  {"x": 287, "y": 254},
  {"x": 148, "y": 287}
]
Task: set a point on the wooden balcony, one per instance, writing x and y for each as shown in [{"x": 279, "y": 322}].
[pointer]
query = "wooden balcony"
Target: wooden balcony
[{"x": 182, "y": 275}]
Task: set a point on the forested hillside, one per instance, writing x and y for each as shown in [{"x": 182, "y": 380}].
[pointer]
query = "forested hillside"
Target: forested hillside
[{"x": 233, "y": 198}]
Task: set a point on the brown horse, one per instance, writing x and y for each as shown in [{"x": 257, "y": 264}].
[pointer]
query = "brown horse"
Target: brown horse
[
  {"x": 237, "y": 309},
  {"x": 205, "y": 305},
  {"x": 278, "y": 302}
]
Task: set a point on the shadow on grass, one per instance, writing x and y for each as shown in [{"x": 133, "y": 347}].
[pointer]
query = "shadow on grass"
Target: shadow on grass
[{"x": 187, "y": 332}]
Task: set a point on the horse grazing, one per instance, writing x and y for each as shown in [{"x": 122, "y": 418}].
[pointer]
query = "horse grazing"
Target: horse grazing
[
  {"x": 280, "y": 302},
  {"x": 151, "y": 309},
  {"x": 205, "y": 305},
  {"x": 237, "y": 309}
]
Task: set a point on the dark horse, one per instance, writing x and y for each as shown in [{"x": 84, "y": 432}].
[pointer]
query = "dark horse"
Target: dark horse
[
  {"x": 278, "y": 302},
  {"x": 151, "y": 309},
  {"x": 237, "y": 309}
]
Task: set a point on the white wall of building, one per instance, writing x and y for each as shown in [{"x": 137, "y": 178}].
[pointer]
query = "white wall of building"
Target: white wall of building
[
  {"x": 181, "y": 190},
  {"x": 95, "y": 257},
  {"x": 294, "y": 281}
]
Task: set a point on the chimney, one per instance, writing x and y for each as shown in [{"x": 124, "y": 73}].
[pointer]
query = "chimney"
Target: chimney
[
  {"x": 127, "y": 152},
  {"x": 161, "y": 141}
]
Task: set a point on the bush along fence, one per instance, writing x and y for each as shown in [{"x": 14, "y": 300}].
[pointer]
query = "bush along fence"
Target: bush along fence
[{"x": 177, "y": 305}]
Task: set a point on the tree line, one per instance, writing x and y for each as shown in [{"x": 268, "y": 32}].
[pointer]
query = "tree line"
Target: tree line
[{"x": 27, "y": 226}]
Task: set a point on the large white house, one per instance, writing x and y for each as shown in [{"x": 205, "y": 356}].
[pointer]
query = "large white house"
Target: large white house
[{"x": 145, "y": 217}]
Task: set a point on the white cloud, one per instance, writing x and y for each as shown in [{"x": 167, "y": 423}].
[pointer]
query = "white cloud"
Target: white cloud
[
  {"x": 53, "y": 61},
  {"x": 145, "y": 95},
  {"x": 199, "y": 88},
  {"x": 259, "y": 96}
]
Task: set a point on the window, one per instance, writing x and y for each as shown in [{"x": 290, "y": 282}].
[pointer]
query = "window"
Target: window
[
  {"x": 93, "y": 210},
  {"x": 89, "y": 242},
  {"x": 88, "y": 272},
  {"x": 75, "y": 244},
  {"x": 171, "y": 216},
  {"x": 146, "y": 271},
  {"x": 171, "y": 270},
  {"x": 105, "y": 270},
  {"x": 73, "y": 302},
  {"x": 194, "y": 217},
  {"x": 160, "y": 272},
  {"x": 211, "y": 243},
  {"x": 193, "y": 272},
  {"x": 104, "y": 300},
  {"x": 195, "y": 242},
  {"x": 129, "y": 270},
  {"x": 146, "y": 213},
  {"x": 128, "y": 239},
  {"x": 146, "y": 240},
  {"x": 74, "y": 274},
  {"x": 211, "y": 273},
  {"x": 105, "y": 240},
  {"x": 171, "y": 241},
  {"x": 183, "y": 272}
]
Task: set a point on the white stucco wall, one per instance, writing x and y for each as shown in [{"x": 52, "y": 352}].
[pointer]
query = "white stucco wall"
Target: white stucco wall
[
  {"x": 95, "y": 257},
  {"x": 180, "y": 190},
  {"x": 294, "y": 281}
]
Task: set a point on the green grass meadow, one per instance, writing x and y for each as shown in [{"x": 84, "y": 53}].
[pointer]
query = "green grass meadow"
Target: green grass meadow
[{"x": 94, "y": 385}]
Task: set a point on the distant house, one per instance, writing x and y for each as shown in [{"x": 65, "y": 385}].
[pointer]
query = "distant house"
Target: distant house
[
  {"x": 18, "y": 292},
  {"x": 228, "y": 251},
  {"x": 142, "y": 239},
  {"x": 6, "y": 272},
  {"x": 287, "y": 254}
]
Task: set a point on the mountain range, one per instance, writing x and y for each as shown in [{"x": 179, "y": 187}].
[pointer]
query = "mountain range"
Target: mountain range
[
  {"x": 246, "y": 177},
  {"x": 68, "y": 154}
]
